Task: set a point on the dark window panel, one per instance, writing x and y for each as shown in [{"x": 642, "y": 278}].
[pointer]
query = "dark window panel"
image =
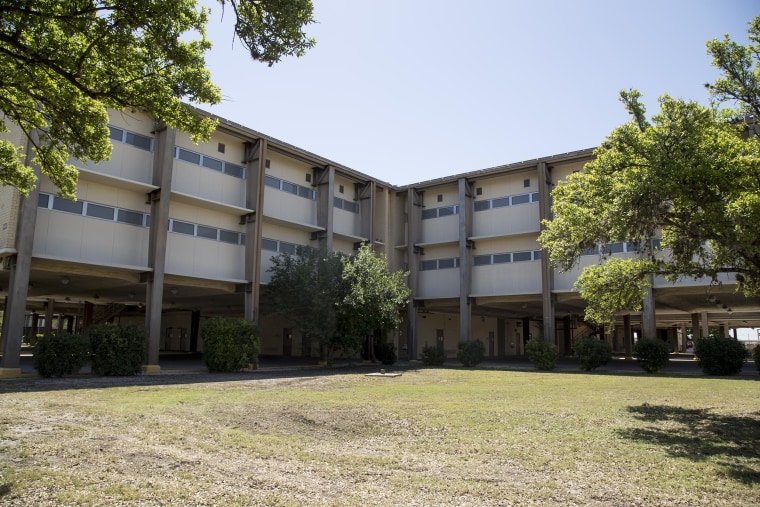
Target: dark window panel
[
  {"x": 129, "y": 217},
  {"x": 98, "y": 211},
  {"x": 183, "y": 227},
  {"x": 207, "y": 232},
  {"x": 61, "y": 204}
]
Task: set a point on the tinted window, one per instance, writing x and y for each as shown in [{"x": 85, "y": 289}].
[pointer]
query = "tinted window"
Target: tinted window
[
  {"x": 129, "y": 217},
  {"x": 522, "y": 256},
  {"x": 428, "y": 265},
  {"x": 43, "y": 201},
  {"x": 520, "y": 199},
  {"x": 183, "y": 227},
  {"x": 448, "y": 210},
  {"x": 272, "y": 182},
  {"x": 429, "y": 213},
  {"x": 287, "y": 248},
  {"x": 502, "y": 258},
  {"x": 228, "y": 236},
  {"x": 445, "y": 263},
  {"x": 115, "y": 134},
  {"x": 268, "y": 244},
  {"x": 289, "y": 187},
  {"x": 189, "y": 156},
  {"x": 234, "y": 170},
  {"x": 500, "y": 202},
  {"x": 206, "y": 232},
  {"x": 98, "y": 211},
  {"x": 62, "y": 204},
  {"x": 482, "y": 205},
  {"x": 212, "y": 163},
  {"x": 138, "y": 140},
  {"x": 481, "y": 260}
]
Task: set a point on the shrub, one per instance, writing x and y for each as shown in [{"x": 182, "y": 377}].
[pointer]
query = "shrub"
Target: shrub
[
  {"x": 229, "y": 344},
  {"x": 432, "y": 357},
  {"x": 592, "y": 352},
  {"x": 57, "y": 355},
  {"x": 117, "y": 350},
  {"x": 471, "y": 352},
  {"x": 542, "y": 354},
  {"x": 720, "y": 356},
  {"x": 385, "y": 351},
  {"x": 652, "y": 354},
  {"x": 756, "y": 357}
]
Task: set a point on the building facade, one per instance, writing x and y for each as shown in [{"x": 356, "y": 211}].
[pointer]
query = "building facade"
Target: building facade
[{"x": 170, "y": 233}]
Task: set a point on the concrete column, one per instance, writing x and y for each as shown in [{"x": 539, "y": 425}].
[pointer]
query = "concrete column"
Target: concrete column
[
  {"x": 254, "y": 200},
  {"x": 163, "y": 162},
  {"x": 682, "y": 338},
  {"x": 325, "y": 209},
  {"x": 627, "y": 336},
  {"x": 465, "y": 260},
  {"x": 705, "y": 325},
  {"x": 695, "y": 331},
  {"x": 547, "y": 273},
  {"x": 20, "y": 269},
  {"x": 366, "y": 193},
  {"x": 648, "y": 317},
  {"x": 49, "y": 308},
  {"x": 413, "y": 253},
  {"x": 195, "y": 319}
]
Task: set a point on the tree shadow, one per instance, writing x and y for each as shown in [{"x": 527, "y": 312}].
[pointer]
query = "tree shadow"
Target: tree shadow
[{"x": 731, "y": 441}]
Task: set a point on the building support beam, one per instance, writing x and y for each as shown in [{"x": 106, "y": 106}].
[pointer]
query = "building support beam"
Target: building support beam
[
  {"x": 648, "y": 318},
  {"x": 627, "y": 336},
  {"x": 255, "y": 157},
  {"x": 414, "y": 205},
  {"x": 163, "y": 162},
  {"x": 325, "y": 210},
  {"x": 20, "y": 269},
  {"x": 465, "y": 259},
  {"x": 547, "y": 273},
  {"x": 705, "y": 325},
  {"x": 365, "y": 193}
]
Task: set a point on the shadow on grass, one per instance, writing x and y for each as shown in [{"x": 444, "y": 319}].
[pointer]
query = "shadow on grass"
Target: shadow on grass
[{"x": 730, "y": 441}]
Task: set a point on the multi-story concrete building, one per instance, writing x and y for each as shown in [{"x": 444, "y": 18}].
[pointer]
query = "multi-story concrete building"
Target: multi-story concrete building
[{"x": 170, "y": 233}]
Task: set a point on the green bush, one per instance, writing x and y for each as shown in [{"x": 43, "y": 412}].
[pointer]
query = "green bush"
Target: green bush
[
  {"x": 117, "y": 350},
  {"x": 471, "y": 352},
  {"x": 385, "y": 351},
  {"x": 229, "y": 344},
  {"x": 431, "y": 356},
  {"x": 592, "y": 352},
  {"x": 542, "y": 354},
  {"x": 756, "y": 357},
  {"x": 652, "y": 354},
  {"x": 57, "y": 355},
  {"x": 720, "y": 356}
]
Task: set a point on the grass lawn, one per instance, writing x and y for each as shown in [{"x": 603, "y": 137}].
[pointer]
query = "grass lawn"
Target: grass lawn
[{"x": 428, "y": 437}]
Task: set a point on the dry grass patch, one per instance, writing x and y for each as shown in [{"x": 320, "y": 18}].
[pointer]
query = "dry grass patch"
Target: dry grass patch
[{"x": 429, "y": 437}]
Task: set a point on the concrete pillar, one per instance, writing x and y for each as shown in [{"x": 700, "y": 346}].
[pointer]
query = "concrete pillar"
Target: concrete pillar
[
  {"x": 195, "y": 319},
  {"x": 695, "y": 330},
  {"x": 325, "y": 195},
  {"x": 163, "y": 162},
  {"x": 547, "y": 273},
  {"x": 465, "y": 259},
  {"x": 49, "y": 308},
  {"x": 705, "y": 325},
  {"x": 413, "y": 253},
  {"x": 366, "y": 193},
  {"x": 20, "y": 269},
  {"x": 648, "y": 317},
  {"x": 682, "y": 338},
  {"x": 627, "y": 336},
  {"x": 254, "y": 200}
]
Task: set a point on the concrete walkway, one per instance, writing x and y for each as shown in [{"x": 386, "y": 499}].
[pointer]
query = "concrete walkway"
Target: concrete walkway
[{"x": 680, "y": 364}]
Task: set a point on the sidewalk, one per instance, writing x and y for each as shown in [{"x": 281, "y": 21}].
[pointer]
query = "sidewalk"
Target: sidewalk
[{"x": 680, "y": 364}]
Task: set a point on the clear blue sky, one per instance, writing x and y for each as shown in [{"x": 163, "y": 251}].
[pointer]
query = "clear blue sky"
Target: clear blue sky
[{"x": 412, "y": 90}]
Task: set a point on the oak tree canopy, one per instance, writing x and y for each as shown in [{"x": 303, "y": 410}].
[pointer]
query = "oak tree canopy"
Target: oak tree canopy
[
  {"x": 682, "y": 188},
  {"x": 63, "y": 64}
]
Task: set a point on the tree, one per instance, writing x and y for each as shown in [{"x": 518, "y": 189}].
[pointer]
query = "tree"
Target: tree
[
  {"x": 65, "y": 63},
  {"x": 338, "y": 300},
  {"x": 374, "y": 299},
  {"x": 683, "y": 189},
  {"x": 305, "y": 288}
]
